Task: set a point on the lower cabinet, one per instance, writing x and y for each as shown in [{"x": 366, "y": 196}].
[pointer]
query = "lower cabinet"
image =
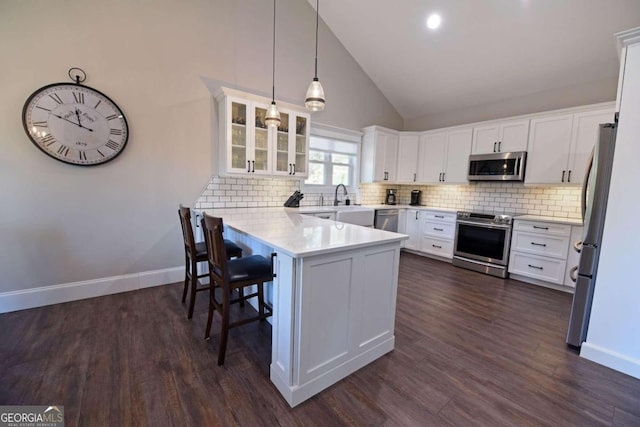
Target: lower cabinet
[
  {"x": 430, "y": 231},
  {"x": 543, "y": 251},
  {"x": 438, "y": 231}
]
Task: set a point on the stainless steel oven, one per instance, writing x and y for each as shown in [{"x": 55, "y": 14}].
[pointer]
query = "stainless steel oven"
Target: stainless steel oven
[{"x": 482, "y": 242}]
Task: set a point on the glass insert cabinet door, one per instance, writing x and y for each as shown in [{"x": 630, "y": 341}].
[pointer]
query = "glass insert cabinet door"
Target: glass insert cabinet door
[
  {"x": 238, "y": 145},
  {"x": 292, "y": 145},
  {"x": 260, "y": 162},
  {"x": 283, "y": 162},
  {"x": 301, "y": 145}
]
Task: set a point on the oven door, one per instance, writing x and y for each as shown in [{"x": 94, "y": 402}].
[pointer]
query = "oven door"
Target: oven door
[{"x": 483, "y": 242}]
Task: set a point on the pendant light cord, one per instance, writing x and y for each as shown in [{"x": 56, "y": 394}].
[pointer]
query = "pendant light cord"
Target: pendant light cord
[
  {"x": 273, "y": 77},
  {"x": 317, "y": 17}
]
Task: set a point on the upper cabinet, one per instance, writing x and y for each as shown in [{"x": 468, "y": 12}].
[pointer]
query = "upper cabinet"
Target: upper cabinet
[
  {"x": 506, "y": 136},
  {"x": 379, "y": 155},
  {"x": 408, "y": 149},
  {"x": 249, "y": 147},
  {"x": 292, "y": 148},
  {"x": 444, "y": 156},
  {"x": 560, "y": 146}
]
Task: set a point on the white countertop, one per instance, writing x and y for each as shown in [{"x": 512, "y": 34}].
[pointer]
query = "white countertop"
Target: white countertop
[
  {"x": 301, "y": 235},
  {"x": 569, "y": 221}
]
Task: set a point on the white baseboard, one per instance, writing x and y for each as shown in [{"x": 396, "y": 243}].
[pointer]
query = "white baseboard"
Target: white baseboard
[
  {"x": 611, "y": 359},
  {"x": 56, "y": 294}
]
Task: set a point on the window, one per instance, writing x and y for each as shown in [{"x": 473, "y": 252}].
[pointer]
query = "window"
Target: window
[{"x": 331, "y": 162}]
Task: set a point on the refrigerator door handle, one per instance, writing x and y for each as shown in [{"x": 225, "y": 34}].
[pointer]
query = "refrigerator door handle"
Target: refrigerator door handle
[
  {"x": 585, "y": 184},
  {"x": 577, "y": 246},
  {"x": 572, "y": 274}
]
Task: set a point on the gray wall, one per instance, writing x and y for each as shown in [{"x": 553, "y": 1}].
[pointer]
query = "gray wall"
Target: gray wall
[
  {"x": 61, "y": 223},
  {"x": 589, "y": 93}
]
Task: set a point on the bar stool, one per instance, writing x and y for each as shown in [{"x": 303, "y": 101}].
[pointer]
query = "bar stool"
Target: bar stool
[
  {"x": 230, "y": 275},
  {"x": 195, "y": 253}
]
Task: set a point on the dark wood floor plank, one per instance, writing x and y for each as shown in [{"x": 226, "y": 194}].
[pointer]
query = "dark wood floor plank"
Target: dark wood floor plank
[{"x": 470, "y": 350}]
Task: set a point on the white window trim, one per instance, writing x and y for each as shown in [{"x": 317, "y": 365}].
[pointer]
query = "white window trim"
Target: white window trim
[{"x": 334, "y": 132}]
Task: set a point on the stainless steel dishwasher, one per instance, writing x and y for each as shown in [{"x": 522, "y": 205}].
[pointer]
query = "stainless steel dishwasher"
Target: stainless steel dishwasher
[{"x": 387, "y": 219}]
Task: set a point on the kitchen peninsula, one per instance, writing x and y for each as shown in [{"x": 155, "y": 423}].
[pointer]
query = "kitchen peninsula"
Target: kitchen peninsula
[{"x": 334, "y": 294}]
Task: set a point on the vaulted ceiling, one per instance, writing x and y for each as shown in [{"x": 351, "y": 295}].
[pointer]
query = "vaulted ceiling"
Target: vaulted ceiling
[{"x": 484, "y": 51}]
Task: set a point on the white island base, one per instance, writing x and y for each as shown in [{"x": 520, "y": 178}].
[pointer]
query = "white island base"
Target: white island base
[{"x": 334, "y": 294}]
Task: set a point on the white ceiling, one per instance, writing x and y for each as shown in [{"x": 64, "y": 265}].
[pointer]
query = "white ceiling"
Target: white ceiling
[{"x": 485, "y": 50}]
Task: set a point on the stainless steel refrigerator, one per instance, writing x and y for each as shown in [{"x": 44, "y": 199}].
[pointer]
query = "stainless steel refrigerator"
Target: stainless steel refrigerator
[{"x": 595, "y": 192}]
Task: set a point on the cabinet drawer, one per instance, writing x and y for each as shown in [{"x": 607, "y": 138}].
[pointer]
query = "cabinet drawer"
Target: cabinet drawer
[
  {"x": 542, "y": 227},
  {"x": 547, "y": 269},
  {"x": 540, "y": 244},
  {"x": 439, "y": 229},
  {"x": 435, "y": 246},
  {"x": 439, "y": 216}
]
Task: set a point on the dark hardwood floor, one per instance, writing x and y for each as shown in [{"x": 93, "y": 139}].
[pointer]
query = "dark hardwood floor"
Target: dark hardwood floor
[{"x": 470, "y": 350}]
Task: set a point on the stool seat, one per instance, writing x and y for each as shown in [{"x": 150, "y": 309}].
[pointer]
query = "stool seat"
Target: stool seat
[{"x": 249, "y": 268}]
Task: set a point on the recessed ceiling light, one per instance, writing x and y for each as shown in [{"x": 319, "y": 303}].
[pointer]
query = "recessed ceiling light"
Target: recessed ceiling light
[{"x": 433, "y": 21}]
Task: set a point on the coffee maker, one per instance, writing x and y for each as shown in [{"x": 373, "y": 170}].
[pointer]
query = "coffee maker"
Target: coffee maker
[
  {"x": 391, "y": 196},
  {"x": 415, "y": 197}
]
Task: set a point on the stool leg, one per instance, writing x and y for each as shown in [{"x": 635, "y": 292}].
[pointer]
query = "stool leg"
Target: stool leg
[
  {"x": 194, "y": 283},
  {"x": 207, "y": 334},
  {"x": 224, "y": 330},
  {"x": 260, "y": 300},
  {"x": 186, "y": 277}
]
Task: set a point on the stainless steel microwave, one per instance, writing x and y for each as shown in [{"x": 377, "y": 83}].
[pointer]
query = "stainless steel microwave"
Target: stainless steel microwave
[{"x": 497, "y": 166}]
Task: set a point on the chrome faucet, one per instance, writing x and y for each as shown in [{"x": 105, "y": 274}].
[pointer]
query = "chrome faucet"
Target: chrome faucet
[{"x": 335, "y": 200}]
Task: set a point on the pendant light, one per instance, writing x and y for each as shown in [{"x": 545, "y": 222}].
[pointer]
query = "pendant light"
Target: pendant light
[
  {"x": 315, "y": 93},
  {"x": 272, "y": 118}
]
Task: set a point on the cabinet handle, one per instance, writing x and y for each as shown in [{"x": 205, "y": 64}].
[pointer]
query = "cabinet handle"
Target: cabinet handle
[
  {"x": 439, "y": 216},
  {"x": 499, "y": 146},
  {"x": 436, "y": 246},
  {"x": 253, "y": 166},
  {"x": 540, "y": 228},
  {"x": 385, "y": 176},
  {"x": 417, "y": 212},
  {"x": 440, "y": 177},
  {"x": 536, "y": 267},
  {"x": 273, "y": 264},
  {"x": 494, "y": 146},
  {"x": 438, "y": 229},
  {"x": 289, "y": 168},
  {"x": 414, "y": 177},
  {"x": 444, "y": 176},
  {"x": 569, "y": 177},
  {"x": 539, "y": 244},
  {"x": 563, "y": 172},
  {"x": 248, "y": 165},
  {"x": 294, "y": 168}
]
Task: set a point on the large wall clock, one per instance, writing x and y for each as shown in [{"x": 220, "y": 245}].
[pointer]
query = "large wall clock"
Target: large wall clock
[{"x": 75, "y": 124}]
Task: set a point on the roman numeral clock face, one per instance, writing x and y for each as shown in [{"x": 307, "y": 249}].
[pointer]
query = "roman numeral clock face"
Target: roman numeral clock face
[{"x": 75, "y": 124}]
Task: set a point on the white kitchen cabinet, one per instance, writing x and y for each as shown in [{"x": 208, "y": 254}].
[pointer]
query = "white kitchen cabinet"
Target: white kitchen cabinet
[
  {"x": 438, "y": 232},
  {"x": 408, "y": 149},
  {"x": 560, "y": 146},
  {"x": 290, "y": 157},
  {"x": 248, "y": 147},
  {"x": 379, "y": 155},
  {"x": 507, "y": 136},
  {"x": 413, "y": 228},
  {"x": 402, "y": 224},
  {"x": 445, "y": 156},
  {"x": 584, "y": 136},
  {"x": 539, "y": 250}
]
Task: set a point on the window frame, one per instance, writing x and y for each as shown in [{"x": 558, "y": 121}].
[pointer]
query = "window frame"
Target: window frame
[{"x": 342, "y": 135}]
